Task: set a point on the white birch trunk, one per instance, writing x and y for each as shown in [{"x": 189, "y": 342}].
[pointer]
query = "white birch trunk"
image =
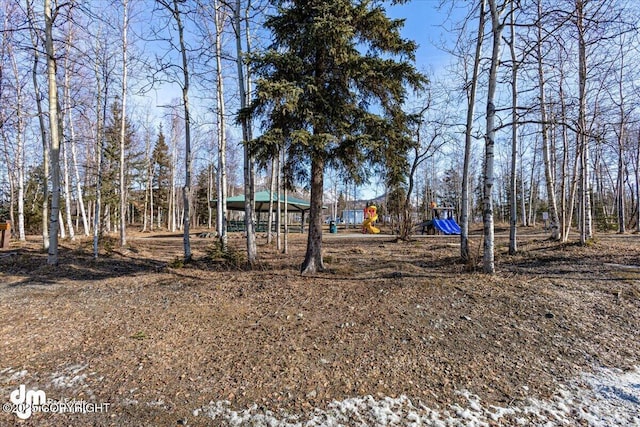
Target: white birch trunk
[
  {"x": 222, "y": 142},
  {"x": 546, "y": 151},
  {"x": 101, "y": 102},
  {"x": 513, "y": 193},
  {"x": 19, "y": 151},
  {"x": 54, "y": 224},
  {"x": 278, "y": 205},
  {"x": 67, "y": 189},
  {"x": 464, "y": 213},
  {"x": 186, "y": 190},
  {"x": 272, "y": 189},
  {"x": 123, "y": 127},
  {"x": 43, "y": 130},
  {"x": 249, "y": 190},
  {"x": 285, "y": 247},
  {"x": 488, "y": 265}
]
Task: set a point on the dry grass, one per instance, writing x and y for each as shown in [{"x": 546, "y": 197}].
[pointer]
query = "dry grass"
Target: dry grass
[{"x": 386, "y": 319}]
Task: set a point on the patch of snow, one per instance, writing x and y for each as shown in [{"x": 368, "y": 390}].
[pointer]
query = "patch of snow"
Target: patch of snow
[
  {"x": 18, "y": 375},
  {"x": 69, "y": 377},
  {"x": 608, "y": 398}
]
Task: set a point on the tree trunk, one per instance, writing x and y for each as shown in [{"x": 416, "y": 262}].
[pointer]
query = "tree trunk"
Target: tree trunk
[
  {"x": 622, "y": 136},
  {"x": 488, "y": 265},
  {"x": 568, "y": 182},
  {"x": 278, "y": 204},
  {"x": 76, "y": 171},
  {"x": 638, "y": 183},
  {"x": 222, "y": 140},
  {"x": 546, "y": 152},
  {"x": 249, "y": 190},
  {"x": 513, "y": 193},
  {"x": 52, "y": 258},
  {"x": 66, "y": 187},
  {"x": 272, "y": 185},
  {"x": 582, "y": 140},
  {"x": 186, "y": 190},
  {"x": 171, "y": 203},
  {"x": 464, "y": 213},
  {"x": 285, "y": 248},
  {"x": 313, "y": 257},
  {"x": 523, "y": 200},
  {"x": 41, "y": 123},
  {"x": 101, "y": 108},
  {"x": 209, "y": 196},
  {"x": 19, "y": 151},
  {"x": 123, "y": 124}
]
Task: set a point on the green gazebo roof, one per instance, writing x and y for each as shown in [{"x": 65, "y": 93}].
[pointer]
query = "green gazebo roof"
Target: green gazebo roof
[{"x": 236, "y": 203}]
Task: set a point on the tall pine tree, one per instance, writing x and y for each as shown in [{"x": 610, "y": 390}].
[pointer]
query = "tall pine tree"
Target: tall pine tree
[
  {"x": 331, "y": 88},
  {"x": 161, "y": 176}
]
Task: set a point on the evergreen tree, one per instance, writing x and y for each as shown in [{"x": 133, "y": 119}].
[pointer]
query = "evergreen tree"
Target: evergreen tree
[
  {"x": 161, "y": 172},
  {"x": 111, "y": 166},
  {"x": 331, "y": 90}
]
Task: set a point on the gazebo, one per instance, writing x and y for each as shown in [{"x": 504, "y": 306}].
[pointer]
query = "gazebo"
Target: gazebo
[
  {"x": 236, "y": 203},
  {"x": 294, "y": 204}
]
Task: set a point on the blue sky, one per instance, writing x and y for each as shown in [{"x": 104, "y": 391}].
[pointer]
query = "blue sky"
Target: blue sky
[
  {"x": 428, "y": 26},
  {"x": 425, "y": 23}
]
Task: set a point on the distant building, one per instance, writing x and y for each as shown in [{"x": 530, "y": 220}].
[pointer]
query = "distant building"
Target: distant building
[{"x": 353, "y": 216}]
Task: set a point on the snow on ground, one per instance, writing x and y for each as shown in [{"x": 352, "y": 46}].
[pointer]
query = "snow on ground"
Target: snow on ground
[{"x": 609, "y": 397}]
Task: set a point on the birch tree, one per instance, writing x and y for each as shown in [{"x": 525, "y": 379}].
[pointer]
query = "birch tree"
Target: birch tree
[
  {"x": 54, "y": 133},
  {"x": 35, "y": 70},
  {"x": 546, "y": 145},
  {"x": 497, "y": 26},
  {"x": 19, "y": 132},
  {"x": 221, "y": 217},
  {"x": 513, "y": 187},
  {"x": 471, "y": 101},
  {"x": 244, "y": 91},
  {"x": 123, "y": 108},
  {"x": 65, "y": 142}
]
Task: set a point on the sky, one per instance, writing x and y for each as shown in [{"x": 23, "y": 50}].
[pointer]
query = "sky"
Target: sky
[
  {"x": 429, "y": 26},
  {"x": 425, "y": 23}
]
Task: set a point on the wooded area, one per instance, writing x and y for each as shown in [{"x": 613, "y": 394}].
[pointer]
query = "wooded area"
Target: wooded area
[{"x": 536, "y": 113}]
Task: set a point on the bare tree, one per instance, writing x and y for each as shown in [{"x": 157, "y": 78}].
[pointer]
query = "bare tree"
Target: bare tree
[
  {"x": 123, "y": 126},
  {"x": 54, "y": 224},
  {"x": 471, "y": 101},
  {"x": 513, "y": 193},
  {"x": 35, "y": 41},
  {"x": 103, "y": 69},
  {"x": 221, "y": 223},
  {"x": 546, "y": 147},
  {"x": 497, "y": 26},
  {"x": 19, "y": 153},
  {"x": 249, "y": 168},
  {"x": 65, "y": 142}
]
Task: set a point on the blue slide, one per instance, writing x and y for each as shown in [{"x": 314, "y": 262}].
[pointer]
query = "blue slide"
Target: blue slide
[{"x": 447, "y": 226}]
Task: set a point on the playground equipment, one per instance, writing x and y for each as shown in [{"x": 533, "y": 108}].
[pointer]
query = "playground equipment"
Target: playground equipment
[
  {"x": 5, "y": 235},
  {"x": 370, "y": 216},
  {"x": 442, "y": 221},
  {"x": 446, "y": 226}
]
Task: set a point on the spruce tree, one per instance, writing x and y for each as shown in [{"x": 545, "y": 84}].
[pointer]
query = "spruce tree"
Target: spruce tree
[
  {"x": 330, "y": 88},
  {"x": 161, "y": 171}
]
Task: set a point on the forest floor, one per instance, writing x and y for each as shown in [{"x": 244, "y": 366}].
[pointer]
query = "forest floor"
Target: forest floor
[{"x": 400, "y": 332}]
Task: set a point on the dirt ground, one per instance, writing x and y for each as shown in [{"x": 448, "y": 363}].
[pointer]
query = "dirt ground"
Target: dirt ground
[{"x": 157, "y": 340}]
